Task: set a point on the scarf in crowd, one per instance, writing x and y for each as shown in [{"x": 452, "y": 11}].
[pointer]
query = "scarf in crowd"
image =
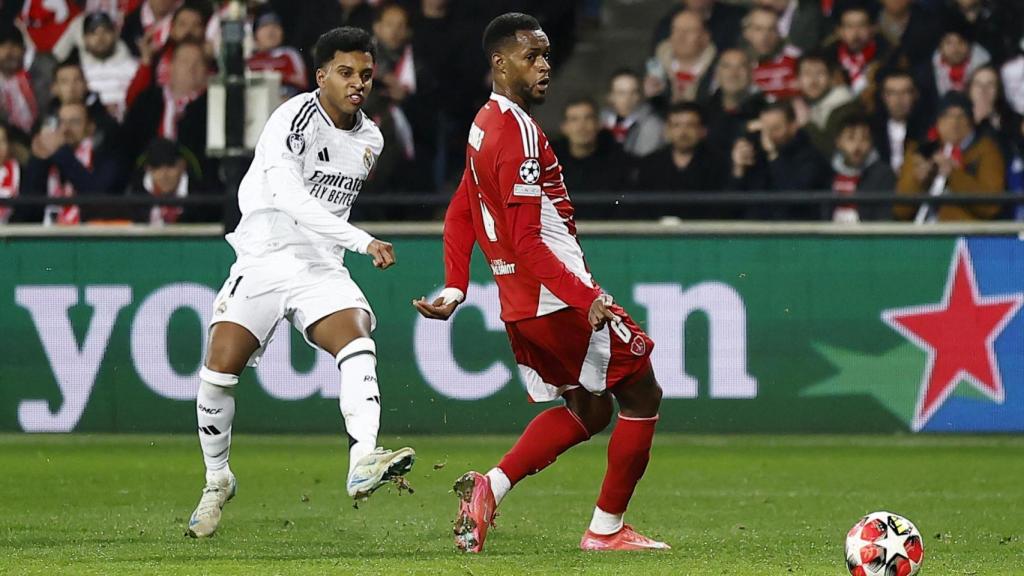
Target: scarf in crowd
[
  {"x": 10, "y": 181},
  {"x": 174, "y": 109},
  {"x": 845, "y": 183},
  {"x": 18, "y": 101},
  {"x": 47, "y": 20},
  {"x": 66, "y": 215},
  {"x": 160, "y": 215},
  {"x": 856, "y": 63}
]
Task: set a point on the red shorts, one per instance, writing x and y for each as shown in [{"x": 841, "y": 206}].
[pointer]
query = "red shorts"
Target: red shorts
[{"x": 560, "y": 351}]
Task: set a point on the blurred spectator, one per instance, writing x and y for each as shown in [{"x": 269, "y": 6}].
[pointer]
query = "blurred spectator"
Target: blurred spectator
[
  {"x": 956, "y": 58},
  {"x": 995, "y": 24},
  {"x": 898, "y": 121},
  {"x": 910, "y": 27},
  {"x": 404, "y": 100},
  {"x": 69, "y": 87},
  {"x": 67, "y": 162},
  {"x": 270, "y": 54},
  {"x": 721, "y": 19},
  {"x": 857, "y": 167},
  {"x": 18, "y": 102},
  {"x": 681, "y": 67},
  {"x": 858, "y": 48},
  {"x": 52, "y": 25},
  {"x": 993, "y": 116},
  {"x": 149, "y": 25},
  {"x": 1013, "y": 79},
  {"x": 779, "y": 157},
  {"x": 176, "y": 111},
  {"x": 116, "y": 9},
  {"x": 591, "y": 159},
  {"x": 318, "y": 16},
  {"x": 166, "y": 173},
  {"x": 686, "y": 164},
  {"x": 10, "y": 175},
  {"x": 959, "y": 162},
  {"x": 108, "y": 65},
  {"x": 800, "y": 22},
  {"x": 631, "y": 121},
  {"x": 735, "y": 103},
  {"x": 775, "y": 61},
  {"x": 823, "y": 103},
  {"x": 187, "y": 24}
]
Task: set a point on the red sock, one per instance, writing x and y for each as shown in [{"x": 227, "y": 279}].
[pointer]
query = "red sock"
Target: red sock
[
  {"x": 629, "y": 450},
  {"x": 552, "y": 432}
]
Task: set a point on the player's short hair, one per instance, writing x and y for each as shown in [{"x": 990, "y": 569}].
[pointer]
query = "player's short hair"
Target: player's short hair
[
  {"x": 684, "y": 107},
  {"x": 343, "y": 39},
  {"x": 504, "y": 28},
  {"x": 783, "y": 106},
  {"x": 580, "y": 100}
]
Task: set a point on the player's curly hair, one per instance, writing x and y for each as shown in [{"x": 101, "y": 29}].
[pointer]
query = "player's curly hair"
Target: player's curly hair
[
  {"x": 504, "y": 28},
  {"x": 343, "y": 39}
]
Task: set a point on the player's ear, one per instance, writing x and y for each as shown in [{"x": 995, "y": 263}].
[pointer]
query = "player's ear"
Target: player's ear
[
  {"x": 321, "y": 75},
  {"x": 498, "y": 63}
]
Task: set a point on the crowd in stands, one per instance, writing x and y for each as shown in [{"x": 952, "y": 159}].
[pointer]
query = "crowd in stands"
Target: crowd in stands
[
  {"x": 914, "y": 97},
  {"x": 909, "y": 97}
]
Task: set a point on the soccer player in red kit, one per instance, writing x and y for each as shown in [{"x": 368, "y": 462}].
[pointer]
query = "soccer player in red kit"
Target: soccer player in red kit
[{"x": 570, "y": 341}]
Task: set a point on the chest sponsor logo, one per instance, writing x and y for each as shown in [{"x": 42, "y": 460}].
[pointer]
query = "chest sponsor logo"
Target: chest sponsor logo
[
  {"x": 502, "y": 268},
  {"x": 335, "y": 188}
]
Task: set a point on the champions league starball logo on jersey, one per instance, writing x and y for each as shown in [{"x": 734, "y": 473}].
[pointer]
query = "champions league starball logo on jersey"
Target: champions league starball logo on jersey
[
  {"x": 529, "y": 171},
  {"x": 958, "y": 366}
]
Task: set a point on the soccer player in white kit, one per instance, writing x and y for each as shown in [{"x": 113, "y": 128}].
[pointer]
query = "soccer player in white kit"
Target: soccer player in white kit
[{"x": 312, "y": 159}]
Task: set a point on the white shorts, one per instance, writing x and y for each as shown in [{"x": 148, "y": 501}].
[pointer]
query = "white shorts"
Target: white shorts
[{"x": 258, "y": 294}]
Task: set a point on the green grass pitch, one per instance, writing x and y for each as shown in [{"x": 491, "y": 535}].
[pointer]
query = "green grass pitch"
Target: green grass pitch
[{"x": 729, "y": 505}]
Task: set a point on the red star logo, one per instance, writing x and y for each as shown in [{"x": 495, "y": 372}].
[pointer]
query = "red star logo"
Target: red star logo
[{"x": 958, "y": 334}]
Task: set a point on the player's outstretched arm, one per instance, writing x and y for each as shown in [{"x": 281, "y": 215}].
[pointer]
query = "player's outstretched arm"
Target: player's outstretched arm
[
  {"x": 459, "y": 238},
  {"x": 289, "y": 196}
]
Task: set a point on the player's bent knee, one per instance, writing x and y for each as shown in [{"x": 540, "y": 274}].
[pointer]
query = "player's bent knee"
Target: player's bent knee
[
  {"x": 218, "y": 378},
  {"x": 594, "y": 412}
]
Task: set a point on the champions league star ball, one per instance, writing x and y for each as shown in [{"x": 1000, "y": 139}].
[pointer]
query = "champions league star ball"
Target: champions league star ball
[{"x": 884, "y": 544}]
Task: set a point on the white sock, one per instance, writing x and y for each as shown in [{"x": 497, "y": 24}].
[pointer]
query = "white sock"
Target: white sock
[
  {"x": 359, "y": 397},
  {"x": 500, "y": 484},
  {"x": 215, "y": 411},
  {"x": 605, "y": 523}
]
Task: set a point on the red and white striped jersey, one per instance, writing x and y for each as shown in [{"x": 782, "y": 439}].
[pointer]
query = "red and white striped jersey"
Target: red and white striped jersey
[
  {"x": 512, "y": 201},
  {"x": 776, "y": 76}
]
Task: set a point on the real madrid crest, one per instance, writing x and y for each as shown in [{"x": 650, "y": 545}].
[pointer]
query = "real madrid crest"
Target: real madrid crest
[
  {"x": 296, "y": 143},
  {"x": 368, "y": 159}
]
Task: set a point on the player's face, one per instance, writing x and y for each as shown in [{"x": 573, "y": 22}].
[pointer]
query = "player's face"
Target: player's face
[
  {"x": 526, "y": 68},
  {"x": 346, "y": 80}
]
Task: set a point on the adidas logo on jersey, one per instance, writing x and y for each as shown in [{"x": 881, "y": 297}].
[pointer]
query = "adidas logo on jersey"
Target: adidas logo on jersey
[{"x": 323, "y": 155}]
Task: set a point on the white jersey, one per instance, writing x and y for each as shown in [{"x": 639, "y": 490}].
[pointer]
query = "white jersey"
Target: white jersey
[{"x": 296, "y": 197}]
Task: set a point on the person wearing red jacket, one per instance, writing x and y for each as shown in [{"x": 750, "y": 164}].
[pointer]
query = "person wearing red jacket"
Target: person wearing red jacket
[{"x": 569, "y": 339}]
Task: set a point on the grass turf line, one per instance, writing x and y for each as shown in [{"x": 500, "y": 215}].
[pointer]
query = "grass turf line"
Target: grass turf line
[{"x": 729, "y": 505}]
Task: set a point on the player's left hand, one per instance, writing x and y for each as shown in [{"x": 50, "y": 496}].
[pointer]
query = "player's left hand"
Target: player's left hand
[
  {"x": 383, "y": 254},
  {"x": 600, "y": 312}
]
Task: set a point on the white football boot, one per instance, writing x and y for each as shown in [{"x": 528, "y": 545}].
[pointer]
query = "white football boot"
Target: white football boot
[
  {"x": 378, "y": 468},
  {"x": 206, "y": 518}
]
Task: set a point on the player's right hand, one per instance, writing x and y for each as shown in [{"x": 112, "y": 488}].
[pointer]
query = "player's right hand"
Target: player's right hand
[
  {"x": 436, "y": 310},
  {"x": 600, "y": 312},
  {"x": 383, "y": 254}
]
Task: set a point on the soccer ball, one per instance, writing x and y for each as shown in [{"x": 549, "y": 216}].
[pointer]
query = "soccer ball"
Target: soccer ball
[{"x": 884, "y": 544}]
